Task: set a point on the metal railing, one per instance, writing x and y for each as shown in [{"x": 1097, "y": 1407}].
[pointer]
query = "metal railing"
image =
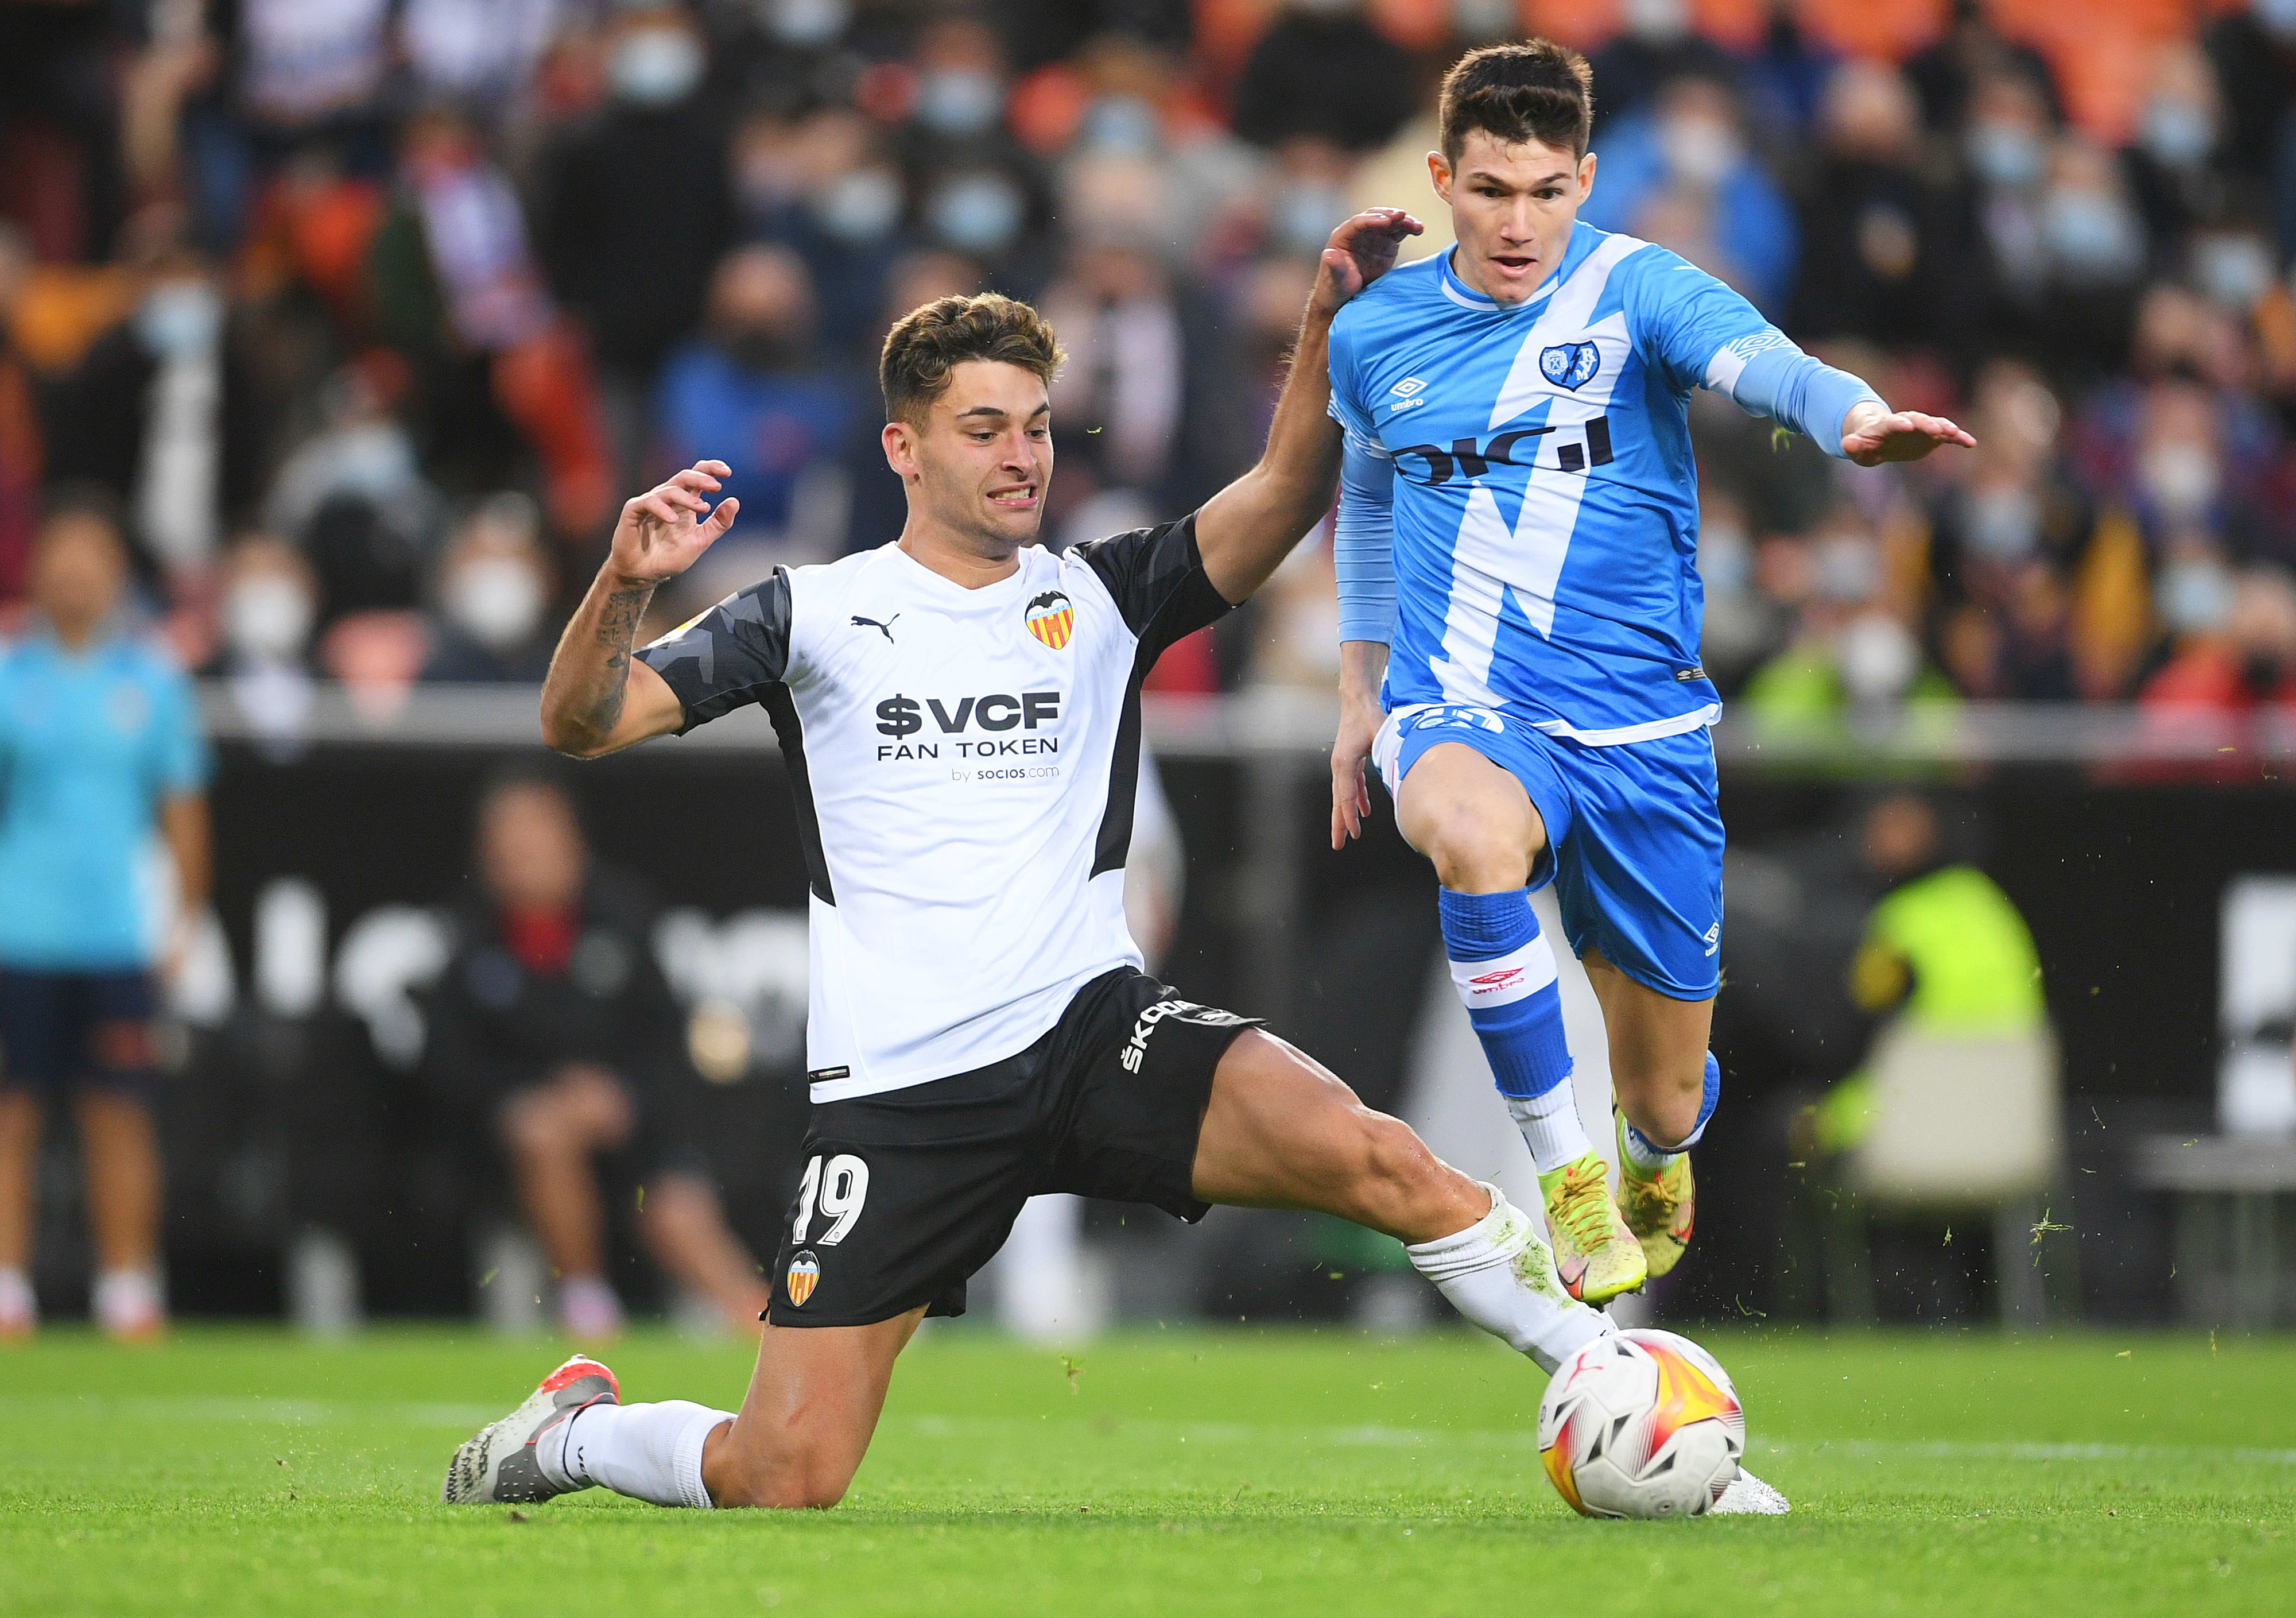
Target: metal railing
[{"x": 1290, "y": 723}]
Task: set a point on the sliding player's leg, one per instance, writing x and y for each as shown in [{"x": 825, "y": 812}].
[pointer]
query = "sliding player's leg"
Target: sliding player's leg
[
  {"x": 1642, "y": 903},
  {"x": 1281, "y": 1131},
  {"x": 801, "y": 1432},
  {"x": 1462, "y": 779}
]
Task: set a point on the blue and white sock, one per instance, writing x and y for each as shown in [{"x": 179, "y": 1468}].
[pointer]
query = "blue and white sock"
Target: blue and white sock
[
  {"x": 1649, "y": 1157},
  {"x": 1504, "y": 973}
]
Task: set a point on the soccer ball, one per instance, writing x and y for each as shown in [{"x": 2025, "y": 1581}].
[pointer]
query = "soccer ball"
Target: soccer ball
[{"x": 1641, "y": 1423}]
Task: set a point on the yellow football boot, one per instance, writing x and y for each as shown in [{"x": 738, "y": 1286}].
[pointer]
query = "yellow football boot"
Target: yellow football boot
[
  {"x": 1596, "y": 1256},
  {"x": 1660, "y": 1208}
]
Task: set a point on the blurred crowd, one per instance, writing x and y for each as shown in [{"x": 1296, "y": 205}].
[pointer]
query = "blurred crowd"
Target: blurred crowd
[{"x": 363, "y": 315}]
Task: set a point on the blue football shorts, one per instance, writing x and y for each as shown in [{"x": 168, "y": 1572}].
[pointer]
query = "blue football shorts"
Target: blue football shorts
[
  {"x": 1634, "y": 835},
  {"x": 62, "y": 1029}
]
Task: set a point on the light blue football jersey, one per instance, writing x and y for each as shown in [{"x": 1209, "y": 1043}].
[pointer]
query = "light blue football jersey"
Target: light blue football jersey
[{"x": 1544, "y": 495}]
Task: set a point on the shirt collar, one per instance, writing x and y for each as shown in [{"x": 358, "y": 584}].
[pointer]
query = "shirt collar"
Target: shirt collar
[{"x": 1467, "y": 297}]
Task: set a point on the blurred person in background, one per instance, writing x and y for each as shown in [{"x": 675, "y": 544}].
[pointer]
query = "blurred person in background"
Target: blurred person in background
[
  {"x": 2253, "y": 51},
  {"x": 826, "y": 183},
  {"x": 23, "y": 443},
  {"x": 163, "y": 412},
  {"x": 1686, "y": 154},
  {"x": 654, "y": 151},
  {"x": 555, "y": 1042},
  {"x": 2171, "y": 166},
  {"x": 268, "y": 607},
  {"x": 492, "y": 593},
  {"x": 1324, "y": 71},
  {"x": 1944, "y": 951},
  {"x": 456, "y": 287},
  {"x": 100, "y": 751},
  {"x": 352, "y": 497},
  {"x": 2234, "y": 645},
  {"x": 1880, "y": 257},
  {"x": 876, "y": 502},
  {"x": 1946, "y": 73},
  {"x": 755, "y": 389},
  {"x": 1655, "y": 44}
]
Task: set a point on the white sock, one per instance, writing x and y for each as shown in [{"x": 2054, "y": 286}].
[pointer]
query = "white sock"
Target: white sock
[
  {"x": 1550, "y": 1127},
  {"x": 1499, "y": 1273},
  {"x": 649, "y": 1452},
  {"x": 127, "y": 1300},
  {"x": 1643, "y": 1155},
  {"x": 18, "y": 1305}
]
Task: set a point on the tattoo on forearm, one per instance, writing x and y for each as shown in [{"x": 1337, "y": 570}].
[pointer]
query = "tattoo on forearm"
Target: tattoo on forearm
[{"x": 618, "y": 626}]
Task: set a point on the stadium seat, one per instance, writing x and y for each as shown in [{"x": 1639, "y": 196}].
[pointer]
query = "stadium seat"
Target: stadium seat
[{"x": 1962, "y": 1122}]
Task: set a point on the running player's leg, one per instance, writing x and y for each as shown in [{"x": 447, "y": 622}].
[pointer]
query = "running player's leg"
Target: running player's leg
[
  {"x": 1463, "y": 781},
  {"x": 1660, "y": 1070},
  {"x": 1642, "y": 903},
  {"x": 1279, "y": 1131}
]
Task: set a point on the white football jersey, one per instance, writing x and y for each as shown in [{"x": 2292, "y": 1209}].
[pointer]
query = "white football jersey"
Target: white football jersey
[{"x": 965, "y": 763}]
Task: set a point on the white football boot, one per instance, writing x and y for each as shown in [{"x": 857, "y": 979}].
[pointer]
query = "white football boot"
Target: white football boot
[
  {"x": 498, "y": 1465},
  {"x": 1748, "y": 1496}
]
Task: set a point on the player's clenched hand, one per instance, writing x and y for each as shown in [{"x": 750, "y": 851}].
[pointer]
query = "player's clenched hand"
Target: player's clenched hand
[
  {"x": 1873, "y": 435},
  {"x": 1359, "y": 252},
  {"x": 665, "y": 530}
]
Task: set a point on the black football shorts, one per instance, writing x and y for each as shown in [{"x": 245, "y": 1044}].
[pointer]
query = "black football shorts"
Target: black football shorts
[{"x": 907, "y": 1194}]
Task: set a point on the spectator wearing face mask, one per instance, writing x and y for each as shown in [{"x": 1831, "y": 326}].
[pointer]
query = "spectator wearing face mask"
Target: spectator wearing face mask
[
  {"x": 163, "y": 413},
  {"x": 2230, "y": 651},
  {"x": 2171, "y": 165},
  {"x": 653, "y": 153},
  {"x": 752, "y": 392},
  {"x": 493, "y": 594},
  {"x": 826, "y": 184},
  {"x": 264, "y": 617},
  {"x": 2015, "y": 505},
  {"x": 352, "y": 497},
  {"x": 981, "y": 193},
  {"x": 1683, "y": 159}
]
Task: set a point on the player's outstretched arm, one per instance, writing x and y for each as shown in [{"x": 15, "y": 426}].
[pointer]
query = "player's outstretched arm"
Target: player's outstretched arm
[
  {"x": 598, "y": 698},
  {"x": 1873, "y": 433},
  {"x": 1248, "y": 528}
]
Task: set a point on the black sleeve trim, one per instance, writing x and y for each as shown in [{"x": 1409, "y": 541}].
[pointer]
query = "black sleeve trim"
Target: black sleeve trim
[
  {"x": 1156, "y": 577},
  {"x": 731, "y": 655}
]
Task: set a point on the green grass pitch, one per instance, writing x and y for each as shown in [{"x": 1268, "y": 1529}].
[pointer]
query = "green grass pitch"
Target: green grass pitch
[{"x": 1164, "y": 1472}]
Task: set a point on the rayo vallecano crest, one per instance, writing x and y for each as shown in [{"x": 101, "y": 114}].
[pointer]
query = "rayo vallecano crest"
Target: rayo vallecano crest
[{"x": 1569, "y": 365}]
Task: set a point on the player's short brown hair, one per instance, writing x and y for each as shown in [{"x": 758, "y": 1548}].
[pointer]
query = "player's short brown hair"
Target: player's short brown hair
[
  {"x": 933, "y": 338},
  {"x": 1537, "y": 91}
]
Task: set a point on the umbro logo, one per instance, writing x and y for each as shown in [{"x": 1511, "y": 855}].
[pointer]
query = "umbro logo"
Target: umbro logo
[
  {"x": 885, "y": 628},
  {"x": 1408, "y": 392},
  {"x": 1491, "y": 982}
]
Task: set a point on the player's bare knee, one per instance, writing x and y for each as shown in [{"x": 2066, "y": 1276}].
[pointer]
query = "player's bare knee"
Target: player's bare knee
[
  {"x": 1473, "y": 850},
  {"x": 798, "y": 1483},
  {"x": 1665, "y": 1106}
]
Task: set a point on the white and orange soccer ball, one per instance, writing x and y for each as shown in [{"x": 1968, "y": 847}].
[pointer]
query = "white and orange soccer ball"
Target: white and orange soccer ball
[{"x": 1641, "y": 1423}]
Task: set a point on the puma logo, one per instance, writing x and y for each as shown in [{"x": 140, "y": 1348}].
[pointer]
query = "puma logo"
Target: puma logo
[{"x": 885, "y": 628}]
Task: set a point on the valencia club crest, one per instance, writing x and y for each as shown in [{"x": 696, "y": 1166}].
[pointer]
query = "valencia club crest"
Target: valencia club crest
[
  {"x": 804, "y": 1276},
  {"x": 1052, "y": 618}
]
